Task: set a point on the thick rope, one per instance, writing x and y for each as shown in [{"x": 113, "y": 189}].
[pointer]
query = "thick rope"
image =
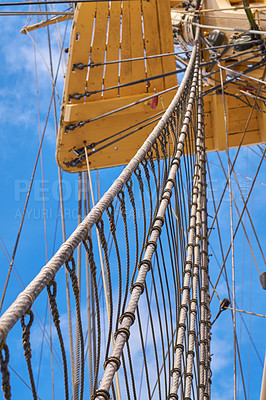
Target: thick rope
[
  {"x": 26, "y": 298},
  {"x": 137, "y": 288}
]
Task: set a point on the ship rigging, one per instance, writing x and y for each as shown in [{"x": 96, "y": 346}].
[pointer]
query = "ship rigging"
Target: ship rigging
[{"x": 163, "y": 108}]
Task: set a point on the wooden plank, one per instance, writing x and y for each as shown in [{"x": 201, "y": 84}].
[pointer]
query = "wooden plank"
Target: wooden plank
[
  {"x": 105, "y": 127},
  {"x": 95, "y": 79},
  {"x": 207, "y": 105},
  {"x": 240, "y": 125},
  {"x": 132, "y": 46},
  {"x": 209, "y": 145},
  {"x": 166, "y": 39},
  {"x": 233, "y": 102},
  {"x": 262, "y": 122},
  {"x": 81, "y": 112},
  {"x": 79, "y": 50},
  {"x": 152, "y": 43},
  {"x": 239, "y": 113},
  {"x": 126, "y": 68},
  {"x": 208, "y": 124},
  {"x": 137, "y": 46},
  {"x": 237, "y": 119},
  {"x": 113, "y": 45},
  {"x": 252, "y": 137},
  {"x": 218, "y": 123}
]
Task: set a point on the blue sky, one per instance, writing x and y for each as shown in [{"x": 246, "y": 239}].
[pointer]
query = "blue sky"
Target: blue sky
[{"x": 19, "y": 134}]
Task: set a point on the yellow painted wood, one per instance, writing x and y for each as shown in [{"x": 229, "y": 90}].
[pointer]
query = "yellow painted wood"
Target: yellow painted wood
[
  {"x": 252, "y": 137},
  {"x": 42, "y": 24},
  {"x": 237, "y": 120},
  {"x": 76, "y": 112},
  {"x": 239, "y": 126},
  {"x": 137, "y": 48},
  {"x": 145, "y": 28},
  {"x": 218, "y": 124},
  {"x": 236, "y": 115},
  {"x": 95, "y": 78},
  {"x": 208, "y": 124},
  {"x": 126, "y": 68},
  {"x": 152, "y": 43},
  {"x": 262, "y": 123},
  {"x": 132, "y": 47},
  {"x": 79, "y": 49},
  {"x": 112, "y": 54},
  {"x": 209, "y": 144},
  {"x": 121, "y": 152},
  {"x": 167, "y": 46},
  {"x": 105, "y": 127}
]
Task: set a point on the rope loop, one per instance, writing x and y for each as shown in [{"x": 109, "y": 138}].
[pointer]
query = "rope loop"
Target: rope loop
[
  {"x": 72, "y": 269},
  {"x": 4, "y": 360},
  {"x": 172, "y": 396},
  {"x": 89, "y": 251},
  {"x": 158, "y": 218},
  {"x": 155, "y": 146},
  {"x": 127, "y": 314},
  {"x": 151, "y": 243},
  {"x": 111, "y": 218},
  {"x": 100, "y": 225},
  {"x": 121, "y": 196},
  {"x": 138, "y": 285},
  {"x": 144, "y": 163},
  {"x": 101, "y": 392},
  {"x": 137, "y": 172},
  {"x": 30, "y": 322},
  {"x": 150, "y": 154},
  {"x": 52, "y": 285},
  {"x": 110, "y": 209},
  {"x": 175, "y": 370},
  {"x": 145, "y": 261},
  {"x": 114, "y": 360},
  {"x": 122, "y": 330},
  {"x": 27, "y": 349},
  {"x": 129, "y": 184},
  {"x": 156, "y": 228},
  {"x": 56, "y": 319}
]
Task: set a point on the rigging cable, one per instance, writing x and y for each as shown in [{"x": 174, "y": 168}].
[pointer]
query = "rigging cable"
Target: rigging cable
[
  {"x": 241, "y": 215},
  {"x": 237, "y": 153},
  {"x": 237, "y": 210},
  {"x": 27, "y": 198},
  {"x": 45, "y": 228},
  {"x": 53, "y": 81},
  {"x": 81, "y": 66},
  {"x": 107, "y": 300},
  {"x": 80, "y": 124},
  {"x": 231, "y": 227}
]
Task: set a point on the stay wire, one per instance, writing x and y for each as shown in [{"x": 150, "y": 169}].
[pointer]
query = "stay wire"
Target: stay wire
[
  {"x": 231, "y": 228},
  {"x": 241, "y": 215},
  {"x": 79, "y": 96},
  {"x": 245, "y": 72},
  {"x": 250, "y": 219},
  {"x": 22, "y": 380},
  {"x": 236, "y": 156},
  {"x": 29, "y": 191},
  {"x": 43, "y": 198},
  {"x": 80, "y": 124},
  {"x": 242, "y": 319},
  {"x": 165, "y": 309},
  {"x": 81, "y": 66}
]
